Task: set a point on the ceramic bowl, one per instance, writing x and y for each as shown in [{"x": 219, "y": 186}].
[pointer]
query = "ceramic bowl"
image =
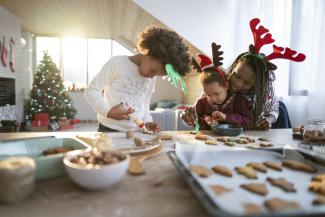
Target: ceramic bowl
[
  {"x": 94, "y": 178},
  {"x": 227, "y": 129}
]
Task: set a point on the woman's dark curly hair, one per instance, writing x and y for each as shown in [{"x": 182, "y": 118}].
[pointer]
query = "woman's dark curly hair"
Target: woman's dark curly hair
[
  {"x": 263, "y": 85},
  {"x": 166, "y": 46}
]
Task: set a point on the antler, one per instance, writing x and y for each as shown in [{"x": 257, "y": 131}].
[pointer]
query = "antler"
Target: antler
[
  {"x": 216, "y": 54},
  {"x": 196, "y": 65},
  {"x": 257, "y": 33},
  {"x": 288, "y": 54}
]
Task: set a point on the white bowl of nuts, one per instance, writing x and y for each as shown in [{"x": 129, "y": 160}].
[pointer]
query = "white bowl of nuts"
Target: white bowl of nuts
[{"x": 95, "y": 170}]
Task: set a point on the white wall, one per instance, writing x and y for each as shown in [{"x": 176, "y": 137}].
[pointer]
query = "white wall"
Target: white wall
[
  {"x": 10, "y": 27},
  {"x": 84, "y": 111}
]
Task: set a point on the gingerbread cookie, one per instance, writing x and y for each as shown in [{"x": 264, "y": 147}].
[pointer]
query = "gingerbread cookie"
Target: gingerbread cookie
[
  {"x": 317, "y": 187},
  {"x": 222, "y": 138},
  {"x": 277, "y": 204},
  {"x": 250, "y": 139},
  {"x": 201, "y": 136},
  {"x": 247, "y": 171},
  {"x": 319, "y": 178},
  {"x": 139, "y": 142},
  {"x": 57, "y": 150},
  {"x": 149, "y": 132},
  {"x": 225, "y": 171},
  {"x": 251, "y": 209},
  {"x": 201, "y": 171},
  {"x": 230, "y": 143},
  {"x": 153, "y": 141},
  {"x": 320, "y": 200},
  {"x": 282, "y": 183},
  {"x": 166, "y": 137},
  {"x": 296, "y": 165},
  {"x": 129, "y": 134},
  {"x": 266, "y": 145},
  {"x": 242, "y": 141},
  {"x": 211, "y": 142},
  {"x": 258, "y": 166},
  {"x": 273, "y": 165},
  {"x": 264, "y": 139},
  {"x": 256, "y": 188},
  {"x": 219, "y": 189}
]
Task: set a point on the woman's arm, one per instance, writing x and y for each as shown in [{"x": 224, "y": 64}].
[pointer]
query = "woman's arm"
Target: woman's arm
[{"x": 242, "y": 113}]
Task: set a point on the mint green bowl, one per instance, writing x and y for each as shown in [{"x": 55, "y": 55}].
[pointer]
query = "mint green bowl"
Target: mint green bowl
[{"x": 49, "y": 166}]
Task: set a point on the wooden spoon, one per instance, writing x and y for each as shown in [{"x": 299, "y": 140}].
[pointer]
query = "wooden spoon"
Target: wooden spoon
[{"x": 135, "y": 167}]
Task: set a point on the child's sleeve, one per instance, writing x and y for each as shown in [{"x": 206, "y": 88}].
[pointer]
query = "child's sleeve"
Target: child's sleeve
[
  {"x": 94, "y": 92},
  {"x": 242, "y": 113},
  {"x": 201, "y": 114},
  {"x": 147, "y": 115}
]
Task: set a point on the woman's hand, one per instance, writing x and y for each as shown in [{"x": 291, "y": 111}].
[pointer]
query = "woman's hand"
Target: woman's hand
[
  {"x": 152, "y": 126},
  {"x": 189, "y": 116},
  {"x": 218, "y": 116},
  {"x": 119, "y": 112},
  {"x": 265, "y": 123}
]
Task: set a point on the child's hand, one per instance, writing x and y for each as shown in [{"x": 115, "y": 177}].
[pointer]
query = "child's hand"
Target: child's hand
[
  {"x": 152, "y": 126},
  {"x": 209, "y": 120},
  {"x": 265, "y": 123},
  {"x": 189, "y": 116},
  {"x": 120, "y": 113},
  {"x": 218, "y": 116}
]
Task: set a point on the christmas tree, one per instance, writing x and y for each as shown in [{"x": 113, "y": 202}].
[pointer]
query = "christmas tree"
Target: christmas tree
[{"x": 48, "y": 94}]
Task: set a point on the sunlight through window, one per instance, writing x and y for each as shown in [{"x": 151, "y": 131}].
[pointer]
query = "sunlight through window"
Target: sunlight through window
[{"x": 82, "y": 58}]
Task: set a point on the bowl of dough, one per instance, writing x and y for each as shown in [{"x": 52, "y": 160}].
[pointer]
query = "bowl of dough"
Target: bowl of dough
[{"x": 95, "y": 170}]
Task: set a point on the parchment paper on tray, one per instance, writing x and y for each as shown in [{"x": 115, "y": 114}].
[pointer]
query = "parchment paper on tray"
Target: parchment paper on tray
[{"x": 233, "y": 201}]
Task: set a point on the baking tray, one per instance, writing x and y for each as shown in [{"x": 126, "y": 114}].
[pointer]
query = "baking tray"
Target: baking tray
[
  {"x": 216, "y": 208},
  {"x": 48, "y": 166}
]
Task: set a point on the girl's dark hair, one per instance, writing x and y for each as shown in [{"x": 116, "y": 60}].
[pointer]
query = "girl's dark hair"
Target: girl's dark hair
[
  {"x": 262, "y": 89},
  {"x": 209, "y": 76},
  {"x": 166, "y": 46}
]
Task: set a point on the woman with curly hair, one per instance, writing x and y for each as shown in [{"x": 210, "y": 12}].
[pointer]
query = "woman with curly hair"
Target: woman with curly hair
[{"x": 131, "y": 80}]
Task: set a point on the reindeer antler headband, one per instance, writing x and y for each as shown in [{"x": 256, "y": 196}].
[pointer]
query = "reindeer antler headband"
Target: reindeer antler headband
[
  {"x": 206, "y": 64},
  {"x": 260, "y": 40}
]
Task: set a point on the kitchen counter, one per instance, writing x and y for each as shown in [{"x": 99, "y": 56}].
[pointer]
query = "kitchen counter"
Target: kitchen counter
[{"x": 160, "y": 192}]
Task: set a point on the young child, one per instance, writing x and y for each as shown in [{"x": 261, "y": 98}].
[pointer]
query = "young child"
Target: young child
[
  {"x": 130, "y": 80},
  {"x": 217, "y": 105},
  {"x": 251, "y": 74}
]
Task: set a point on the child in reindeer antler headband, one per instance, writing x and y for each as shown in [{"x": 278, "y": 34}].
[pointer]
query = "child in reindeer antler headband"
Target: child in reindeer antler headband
[
  {"x": 216, "y": 105},
  {"x": 130, "y": 80},
  {"x": 252, "y": 74}
]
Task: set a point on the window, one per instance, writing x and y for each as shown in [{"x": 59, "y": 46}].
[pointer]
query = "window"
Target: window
[
  {"x": 51, "y": 45},
  {"x": 75, "y": 62},
  {"x": 99, "y": 51},
  {"x": 82, "y": 58}
]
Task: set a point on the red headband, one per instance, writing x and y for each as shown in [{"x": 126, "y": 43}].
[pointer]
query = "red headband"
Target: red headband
[
  {"x": 206, "y": 63},
  {"x": 277, "y": 53}
]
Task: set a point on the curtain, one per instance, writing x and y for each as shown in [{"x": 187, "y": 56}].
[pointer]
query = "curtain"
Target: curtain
[{"x": 307, "y": 80}]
